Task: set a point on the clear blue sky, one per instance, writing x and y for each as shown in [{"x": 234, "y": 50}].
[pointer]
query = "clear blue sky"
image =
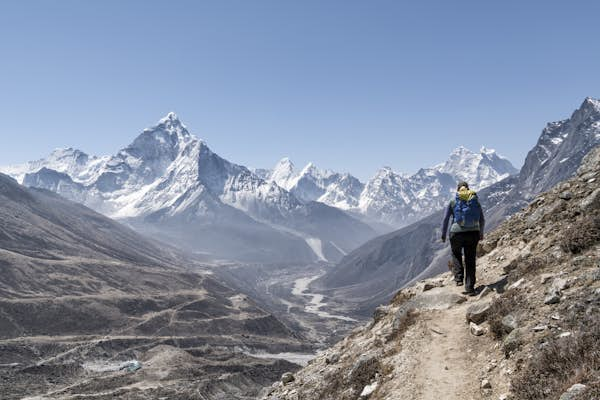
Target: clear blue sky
[{"x": 349, "y": 85}]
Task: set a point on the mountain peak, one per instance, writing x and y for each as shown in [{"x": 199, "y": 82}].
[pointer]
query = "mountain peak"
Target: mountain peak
[
  {"x": 460, "y": 151},
  {"x": 487, "y": 151},
  {"x": 591, "y": 104},
  {"x": 285, "y": 162},
  {"x": 171, "y": 116}
]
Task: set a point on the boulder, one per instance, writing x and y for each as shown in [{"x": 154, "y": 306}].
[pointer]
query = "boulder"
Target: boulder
[
  {"x": 552, "y": 298},
  {"x": 368, "y": 390},
  {"x": 560, "y": 284},
  {"x": 288, "y": 377},
  {"x": 332, "y": 358},
  {"x": 545, "y": 278},
  {"x": 513, "y": 341},
  {"x": 509, "y": 323},
  {"x": 478, "y": 312},
  {"x": 379, "y": 313},
  {"x": 476, "y": 330},
  {"x": 591, "y": 202},
  {"x": 364, "y": 371},
  {"x": 573, "y": 392},
  {"x": 485, "y": 291},
  {"x": 566, "y": 195}
]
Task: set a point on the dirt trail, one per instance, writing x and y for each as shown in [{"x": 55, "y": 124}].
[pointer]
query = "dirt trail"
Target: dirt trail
[
  {"x": 447, "y": 368},
  {"x": 440, "y": 358}
]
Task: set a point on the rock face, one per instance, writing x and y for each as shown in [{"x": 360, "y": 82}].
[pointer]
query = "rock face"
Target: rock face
[
  {"x": 81, "y": 294},
  {"x": 420, "y": 346},
  {"x": 560, "y": 149},
  {"x": 369, "y": 275}
]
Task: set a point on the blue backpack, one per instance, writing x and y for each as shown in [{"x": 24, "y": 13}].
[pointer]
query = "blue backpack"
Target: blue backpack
[{"x": 467, "y": 209}]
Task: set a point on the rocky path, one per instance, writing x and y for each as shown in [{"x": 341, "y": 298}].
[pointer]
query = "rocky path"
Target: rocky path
[{"x": 447, "y": 368}]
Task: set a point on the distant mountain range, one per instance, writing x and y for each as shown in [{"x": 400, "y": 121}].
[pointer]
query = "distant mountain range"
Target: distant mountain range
[
  {"x": 391, "y": 199},
  {"x": 372, "y": 273},
  {"x": 171, "y": 185}
]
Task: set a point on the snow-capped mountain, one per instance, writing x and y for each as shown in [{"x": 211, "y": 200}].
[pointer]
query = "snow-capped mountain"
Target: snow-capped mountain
[
  {"x": 169, "y": 183},
  {"x": 389, "y": 199},
  {"x": 313, "y": 184},
  {"x": 479, "y": 169}
]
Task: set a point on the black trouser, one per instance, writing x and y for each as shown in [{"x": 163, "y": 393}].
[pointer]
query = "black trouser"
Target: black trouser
[{"x": 467, "y": 241}]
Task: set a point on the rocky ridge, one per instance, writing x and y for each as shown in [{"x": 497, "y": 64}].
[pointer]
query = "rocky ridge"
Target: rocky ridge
[{"x": 531, "y": 333}]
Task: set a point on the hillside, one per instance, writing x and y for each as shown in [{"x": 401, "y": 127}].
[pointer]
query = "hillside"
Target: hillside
[
  {"x": 532, "y": 333},
  {"x": 370, "y": 274},
  {"x": 80, "y": 295}
]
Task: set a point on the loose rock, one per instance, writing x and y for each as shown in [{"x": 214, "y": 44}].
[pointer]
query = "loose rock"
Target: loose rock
[
  {"x": 573, "y": 392},
  {"x": 552, "y": 298},
  {"x": 592, "y": 201},
  {"x": 509, "y": 323},
  {"x": 486, "y": 290},
  {"x": 513, "y": 341},
  {"x": 566, "y": 195},
  {"x": 485, "y": 384},
  {"x": 478, "y": 312},
  {"x": 288, "y": 377},
  {"x": 368, "y": 390},
  {"x": 476, "y": 330}
]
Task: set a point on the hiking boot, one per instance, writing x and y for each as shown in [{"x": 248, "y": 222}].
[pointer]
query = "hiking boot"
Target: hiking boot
[{"x": 470, "y": 292}]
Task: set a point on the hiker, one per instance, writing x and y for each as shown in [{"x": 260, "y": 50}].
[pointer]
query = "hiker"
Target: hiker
[{"x": 465, "y": 232}]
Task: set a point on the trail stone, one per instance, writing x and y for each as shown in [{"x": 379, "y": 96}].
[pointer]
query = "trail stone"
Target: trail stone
[
  {"x": 566, "y": 195},
  {"x": 509, "y": 323},
  {"x": 545, "y": 278},
  {"x": 517, "y": 283},
  {"x": 560, "y": 284},
  {"x": 368, "y": 390},
  {"x": 573, "y": 392},
  {"x": 332, "y": 358},
  {"x": 592, "y": 201},
  {"x": 476, "y": 330},
  {"x": 288, "y": 377},
  {"x": 379, "y": 313},
  {"x": 552, "y": 298},
  {"x": 485, "y": 384},
  {"x": 478, "y": 312},
  {"x": 486, "y": 290},
  {"x": 364, "y": 370},
  {"x": 428, "y": 286},
  {"x": 513, "y": 341},
  {"x": 540, "y": 328}
]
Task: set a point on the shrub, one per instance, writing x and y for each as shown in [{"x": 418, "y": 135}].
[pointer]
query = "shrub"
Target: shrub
[
  {"x": 581, "y": 236},
  {"x": 508, "y": 303},
  {"x": 562, "y": 363}
]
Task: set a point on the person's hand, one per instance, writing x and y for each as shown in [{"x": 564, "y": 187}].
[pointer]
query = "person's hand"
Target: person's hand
[{"x": 444, "y": 239}]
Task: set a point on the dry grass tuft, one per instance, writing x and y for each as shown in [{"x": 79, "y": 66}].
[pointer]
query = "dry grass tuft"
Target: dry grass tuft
[
  {"x": 508, "y": 303},
  {"x": 581, "y": 236},
  {"x": 563, "y": 362}
]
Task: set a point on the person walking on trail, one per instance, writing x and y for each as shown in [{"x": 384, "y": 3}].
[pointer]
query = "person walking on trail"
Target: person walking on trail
[{"x": 465, "y": 232}]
